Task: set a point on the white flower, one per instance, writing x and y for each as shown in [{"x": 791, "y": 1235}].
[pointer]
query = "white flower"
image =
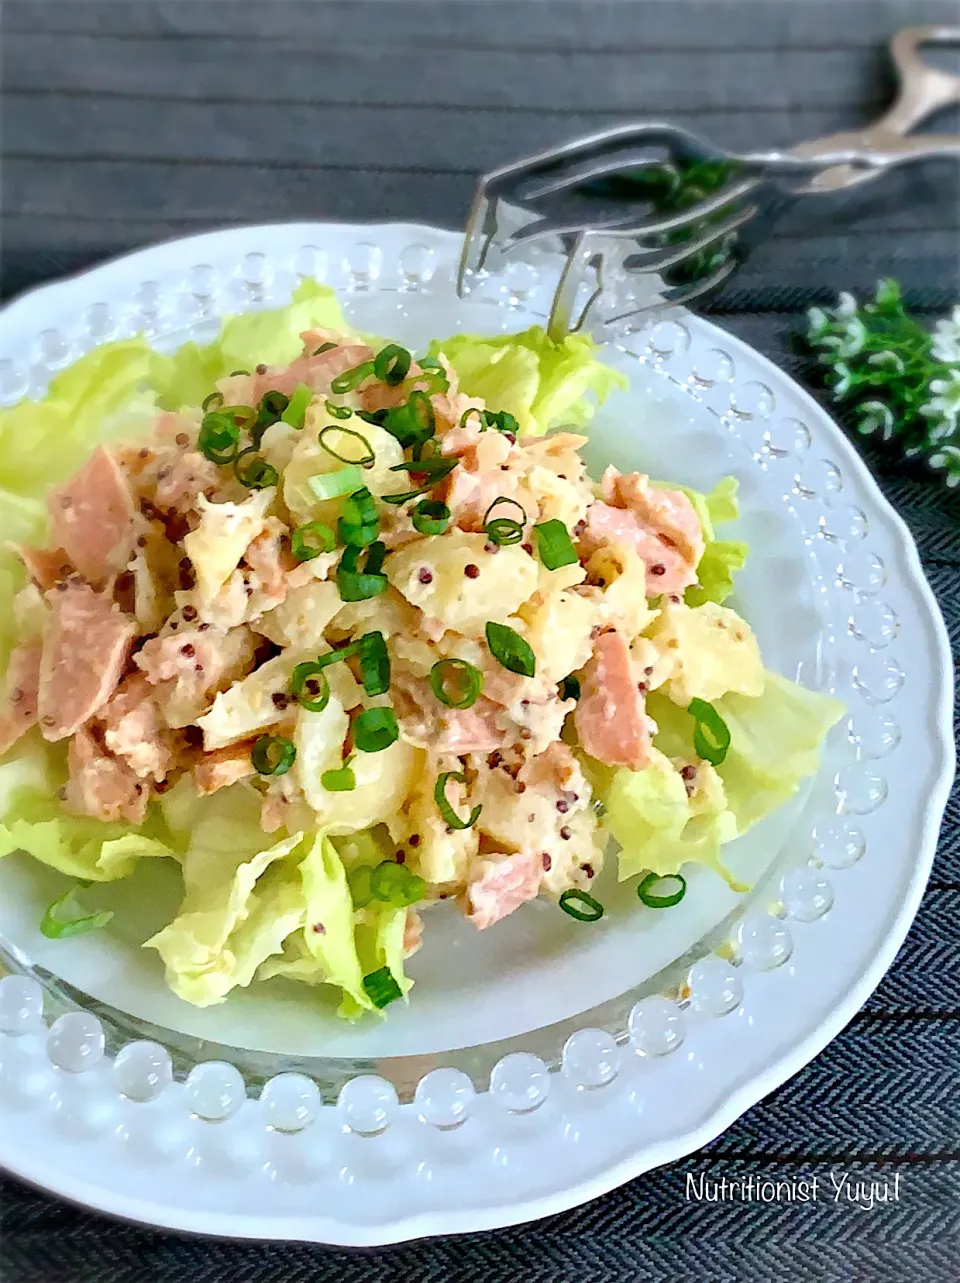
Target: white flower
[
  {"x": 948, "y": 459},
  {"x": 877, "y": 415},
  {"x": 842, "y": 386},
  {"x": 854, "y": 337},
  {"x": 819, "y": 321},
  {"x": 846, "y": 307},
  {"x": 944, "y": 405},
  {"x": 946, "y": 339},
  {"x": 893, "y": 359}
]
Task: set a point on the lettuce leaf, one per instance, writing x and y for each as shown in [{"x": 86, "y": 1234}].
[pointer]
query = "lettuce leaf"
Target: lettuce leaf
[
  {"x": 721, "y": 557},
  {"x": 775, "y": 742},
  {"x": 271, "y": 337},
  {"x": 540, "y": 382}
]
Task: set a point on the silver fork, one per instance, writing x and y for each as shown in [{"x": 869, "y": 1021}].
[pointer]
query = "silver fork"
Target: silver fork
[{"x": 678, "y": 254}]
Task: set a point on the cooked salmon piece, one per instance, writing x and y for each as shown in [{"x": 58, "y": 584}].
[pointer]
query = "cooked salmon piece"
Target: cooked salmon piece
[
  {"x": 610, "y": 718},
  {"x": 45, "y": 566},
  {"x": 134, "y": 730},
  {"x": 86, "y": 646},
  {"x": 412, "y": 933},
  {"x": 101, "y": 786},
  {"x": 667, "y": 570},
  {"x": 191, "y": 664},
  {"x": 19, "y": 711},
  {"x": 317, "y": 372},
  {"x": 668, "y": 513},
  {"x": 179, "y": 484},
  {"x": 223, "y": 767},
  {"x": 265, "y": 555},
  {"x": 91, "y": 517},
  {"x": 499, "y": 884}
]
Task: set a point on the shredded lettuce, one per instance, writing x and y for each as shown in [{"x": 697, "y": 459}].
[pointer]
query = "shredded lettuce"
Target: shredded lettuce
[{"x": 539, "y": 381}]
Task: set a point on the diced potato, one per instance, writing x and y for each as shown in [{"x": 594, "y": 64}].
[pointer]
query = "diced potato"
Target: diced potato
[
  {"x": 559, "y": 632},
  {"x": 218, "y": 543},
  {"x": 431, "y": 575},
  {"x": 302, "y": 616},
  {"x": 711, "y": 651},
  {"x": 383, "y": 780},
  {"x": 310, "y": 459}
]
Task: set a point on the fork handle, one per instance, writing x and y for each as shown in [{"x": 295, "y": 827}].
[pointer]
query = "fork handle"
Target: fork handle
[{"x": 924, "y": 90}]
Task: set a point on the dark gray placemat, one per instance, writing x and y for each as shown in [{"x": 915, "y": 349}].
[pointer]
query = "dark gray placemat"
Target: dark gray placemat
[{"x": 130, "y": 122}]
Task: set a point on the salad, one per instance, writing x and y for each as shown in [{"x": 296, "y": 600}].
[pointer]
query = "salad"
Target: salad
[{"x": 346, "y": 632}]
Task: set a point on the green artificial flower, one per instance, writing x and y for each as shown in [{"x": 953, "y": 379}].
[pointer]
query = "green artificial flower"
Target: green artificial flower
[{"x": 900, "y": 381}]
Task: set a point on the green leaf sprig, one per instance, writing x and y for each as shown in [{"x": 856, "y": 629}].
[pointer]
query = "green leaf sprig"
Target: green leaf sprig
[{"x": 898, "y": 379}]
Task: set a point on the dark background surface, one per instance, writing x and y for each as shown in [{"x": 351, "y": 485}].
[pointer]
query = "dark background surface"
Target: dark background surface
[{"x": 125, "y": 123}]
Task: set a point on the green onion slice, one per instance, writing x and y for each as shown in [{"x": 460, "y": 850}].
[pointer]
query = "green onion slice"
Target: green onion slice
[
  {"x": 392, "y": 364},
  {"x": 555, "y": 545},
  {"x": 436, "y": 373},
  {"x": 273, "y": 755},
  {"x": 310, "y": 540},
  {"x": 474, "y": 409},
  {"x": 331, "y": 485},
  {"x": 711, "y": 735},
  {"x": 255, "y": 473},
  {"x": 355, "y": 584},
  {"x": 510, "y": 649},
  {"x": 57, "y": 923},
  {"x": 296, "y": 410},
  {"x": 395, "y": 884},
  {"x": 658, "y": 892},
  {"x": 502, "y": 421},
  {"x": 219, "y": 437},
  {"x": 212, "y": 401},
  {"x": 365, "y": 459},
  {"x": 431, "y": 517},
  {"x": 411, "y": 423},
  {"x": 350, "y": 379},
  {"x": 504, "y": 530},
  {"x": 375, "y": 729},
  {"x": 234, "y": 373},
  {"x": 371, "y": 650},
  {"x": 337, "y": 411},
  {"x": 456, "y": 683},
  {"x": 381, "y": 988},
  {"x": 450, "y": 817},
  {"x": 570, "y": 687},
  {"x": 309, "y": 685},
  {"x": 272, "y": 406},
  {"x": 581, "y": 906},
  {"x": 358, "y": 880},
  {"x": 324, "y": 347},
  {"x": 341, "y": 780},
  {"x": 431, "y": 470}
]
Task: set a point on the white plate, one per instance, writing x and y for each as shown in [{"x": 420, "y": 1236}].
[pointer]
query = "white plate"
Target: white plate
[{"x": 548, "y": 1061}]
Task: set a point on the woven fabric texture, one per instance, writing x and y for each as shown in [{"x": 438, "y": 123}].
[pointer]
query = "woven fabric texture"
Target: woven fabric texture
[{"x": 125, "y": 123}]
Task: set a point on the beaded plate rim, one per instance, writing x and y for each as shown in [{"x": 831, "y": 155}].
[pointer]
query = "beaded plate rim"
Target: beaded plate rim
[{"x": 582, "y": 1086}]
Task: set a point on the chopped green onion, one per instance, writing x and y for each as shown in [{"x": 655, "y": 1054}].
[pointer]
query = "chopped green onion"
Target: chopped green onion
[
  {"x": 331, "y": 485},
  {"x": 711, "y": 735},
  {"x": 456, "y": 683},
  {"x": 437, "y": 374},
  {"x": 358, "y": 880},
  {"x": 395, "y": 884},
  {"x": 371, "y": 650},
  {"x": 376, "y": 417},
  {"x": 56, "y": 925},
  {"x": 375, "y": 729},
  {"x": 381, "y": 988},
  {"x": 350, "y": 379},
  {"x": 465, "y": 417},
  {"x": 272, "y": 405},
  {"x": 570, "y": 687},
  {"x": 310, "y": 540},
  {"x": 504, "y": 530},
  {"x": 234, "y": 373},
  {"x": 296, "y": 410},
  {"x": 255, "y": 473},
  {"x": 358, "y": 585},
  {"x": 392, "y": 364},
  {"x": 337, "y": 411},
  {"x": 309, "y": 685},
  {"x": 581, "y": 906},
  {"x": 219, "y": 437},
  {"x": 364, "y": 460},
  {"x": 361, "y": 508},
  {"x": 555, "y": 545},
  {"x": 502, "y": 421},
  {"x": 431, "y": 517},
  {"x": 510, "y": 649},
  {"x": 436, "y": 467},
  {"x": 212, "y": 401},
  {"x": 342, "y": 780},
  {"x": 272, "y": 755},
  {"x": 450, "y": 817},
  {"x": 324, "y": 347},
  {"x": 410, "y": 423},
  {"x": 658, "y": 892},
  {"x": 359, "y": 535}
]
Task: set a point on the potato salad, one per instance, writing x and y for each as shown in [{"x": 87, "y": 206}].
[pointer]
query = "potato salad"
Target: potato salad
[{"x": 353, "y": 635}]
